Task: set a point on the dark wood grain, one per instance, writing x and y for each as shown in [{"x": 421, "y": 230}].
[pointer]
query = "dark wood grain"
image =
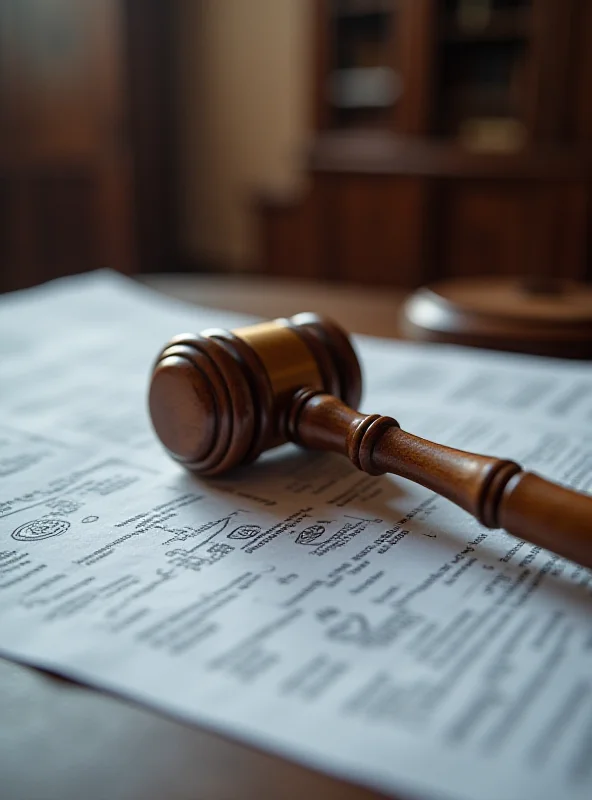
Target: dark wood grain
[
  {"x": 150, "y": 29},
  {"x": 87, "y": 112},
  {"x": 552, "y": 51},
  {"x": 376, "y": 228},
  {"x": 65, "y": 161},
  {"x": 417, "y": 25}
]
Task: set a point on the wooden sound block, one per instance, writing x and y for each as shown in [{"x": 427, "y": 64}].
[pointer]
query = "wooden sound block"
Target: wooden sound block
[{"x": 499, "y": 313}]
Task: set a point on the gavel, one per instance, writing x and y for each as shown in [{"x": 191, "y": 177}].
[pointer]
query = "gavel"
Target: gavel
[{"x": 219, "y": 399}]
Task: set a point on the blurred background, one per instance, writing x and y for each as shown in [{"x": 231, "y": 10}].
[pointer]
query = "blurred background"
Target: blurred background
[{"x": 384, "y": 142}]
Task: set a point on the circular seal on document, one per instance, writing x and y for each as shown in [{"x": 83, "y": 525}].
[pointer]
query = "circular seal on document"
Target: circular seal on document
[{"x": 40, "y": 529}]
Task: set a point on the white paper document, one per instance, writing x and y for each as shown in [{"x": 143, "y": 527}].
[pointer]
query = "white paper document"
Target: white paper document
[{"x": 363, "y": 626}]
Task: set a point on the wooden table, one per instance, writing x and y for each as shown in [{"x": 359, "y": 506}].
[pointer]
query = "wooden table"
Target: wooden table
[
  {"x": 62, "y": 741},
  {"x": 363, "y": 310}
]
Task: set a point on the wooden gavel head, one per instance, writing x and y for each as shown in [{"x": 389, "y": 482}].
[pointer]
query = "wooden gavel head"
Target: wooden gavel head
[{"x": 220, "y": 398}]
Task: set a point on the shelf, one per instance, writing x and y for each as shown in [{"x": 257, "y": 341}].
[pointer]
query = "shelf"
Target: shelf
[
  {"x": 511, "y": 23},
  {"x": 378, "y": 153},
  {"x": 364, "y": 8}
]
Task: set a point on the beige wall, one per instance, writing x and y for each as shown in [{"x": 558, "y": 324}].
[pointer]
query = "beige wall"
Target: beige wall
[{"x": 245, "y": 68}]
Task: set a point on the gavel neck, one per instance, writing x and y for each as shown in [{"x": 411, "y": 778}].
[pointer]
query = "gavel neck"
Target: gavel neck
[
  {"x": 376, "y": 444},
  {"x": 323, "y": 422}
]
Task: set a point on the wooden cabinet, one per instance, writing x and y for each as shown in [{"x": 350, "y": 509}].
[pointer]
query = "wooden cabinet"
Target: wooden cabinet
[{"x": 452, "y": 138}]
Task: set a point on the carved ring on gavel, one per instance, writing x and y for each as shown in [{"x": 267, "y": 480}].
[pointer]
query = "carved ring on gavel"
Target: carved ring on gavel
[{"x": 221, "y": 398}]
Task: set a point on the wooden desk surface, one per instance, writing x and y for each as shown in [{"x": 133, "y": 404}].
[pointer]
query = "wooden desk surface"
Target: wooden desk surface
[
  {"x": 358, "y": 309},
  {"x": 62, "y": 741}
]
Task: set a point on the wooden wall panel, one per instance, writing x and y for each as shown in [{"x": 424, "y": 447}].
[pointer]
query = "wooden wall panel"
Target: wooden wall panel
[
  {"x": 65, "y": 161},
  {"x": 417, "y": 23},
  {"x": 64, "y": 218},
  {"x": 572, "y": 257},
  {"x": 514, "y": 228},
  {"x": 552, "y": 46},
  {"x": 482, "y": 229},
  {"x": 291, "y": 234},
  {"x": 376, "y": 227},
  {"x": 398, "y": 231}
]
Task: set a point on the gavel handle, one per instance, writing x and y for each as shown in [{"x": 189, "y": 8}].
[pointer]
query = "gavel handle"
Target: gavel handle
[{"x": 497, "y": 492}]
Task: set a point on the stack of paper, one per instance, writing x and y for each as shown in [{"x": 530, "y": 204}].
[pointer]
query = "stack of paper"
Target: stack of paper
[{"x": 360, "y": 625}]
